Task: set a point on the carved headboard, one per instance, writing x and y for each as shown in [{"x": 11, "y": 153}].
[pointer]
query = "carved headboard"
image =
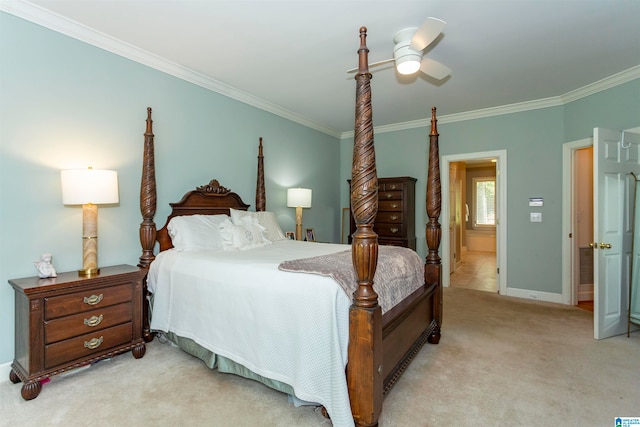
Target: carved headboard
[{"x": 209, "y": 199}]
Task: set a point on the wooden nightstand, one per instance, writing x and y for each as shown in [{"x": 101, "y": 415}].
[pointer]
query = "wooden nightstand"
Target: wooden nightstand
[{"x": 69, "y": 321}]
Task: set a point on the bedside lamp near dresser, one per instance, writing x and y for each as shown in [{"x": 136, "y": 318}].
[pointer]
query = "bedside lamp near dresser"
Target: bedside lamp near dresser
[{"x": 78, "y": 317}]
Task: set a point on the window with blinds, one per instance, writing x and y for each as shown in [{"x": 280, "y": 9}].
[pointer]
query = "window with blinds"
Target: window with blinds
[{"x": 484, "y": 202}]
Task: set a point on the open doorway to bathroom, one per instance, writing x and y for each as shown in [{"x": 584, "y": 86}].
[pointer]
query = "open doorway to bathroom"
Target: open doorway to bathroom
[
  {"x": 474, "y": 221},
  {"x": 472, "y": 227}
]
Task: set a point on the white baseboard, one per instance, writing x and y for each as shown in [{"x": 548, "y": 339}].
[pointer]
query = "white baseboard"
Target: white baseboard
[
  {"x": 5, "y": 368},
  {"x": 535, "y": 295}
]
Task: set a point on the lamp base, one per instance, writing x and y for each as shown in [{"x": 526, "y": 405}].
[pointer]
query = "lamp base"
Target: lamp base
[
  {"x": 298, "y": 223},
  {"x": 88, "y": 272}
]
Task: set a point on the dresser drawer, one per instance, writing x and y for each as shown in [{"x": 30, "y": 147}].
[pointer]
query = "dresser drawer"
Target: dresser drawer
[
  {"x": 389, "y": 217},
  {"x": 82, "y": 301},
  {"x": 390, "y": 206},
  {"x": 389, "y": 230},
  {"x": 86, "y": 345},
  {"x": 392, "y": 242},
  {"x": 390, "y": 186},
  {"x": 389, "y": 195},
  {"x": 87, "y": 322}
]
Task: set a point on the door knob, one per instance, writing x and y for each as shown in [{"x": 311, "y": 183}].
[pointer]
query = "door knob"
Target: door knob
[
  {"x": 605, "y": 246},
  {"x": 593, "y": 245}
]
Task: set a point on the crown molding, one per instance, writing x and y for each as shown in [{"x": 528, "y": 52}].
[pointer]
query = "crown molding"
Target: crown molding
[
  {"x": 60, "y": 24},
  {"x": 590, "y": 89},
  {"x": 63, "y": 25},
  {"x": 606, "y": 83}
]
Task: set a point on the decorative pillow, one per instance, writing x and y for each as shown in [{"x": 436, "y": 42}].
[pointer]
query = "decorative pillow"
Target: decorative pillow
[
  {"x": 248, "y": 235},
  {"x": 268, "y": 220},
  {"x": 196, "y": 232}
]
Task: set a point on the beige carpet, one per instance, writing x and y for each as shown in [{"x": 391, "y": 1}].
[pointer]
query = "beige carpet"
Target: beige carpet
[{"x": 501, "y": 361}]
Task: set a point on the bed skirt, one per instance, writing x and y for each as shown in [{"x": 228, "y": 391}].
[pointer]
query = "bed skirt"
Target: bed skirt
[{"x": 225, "y": 365}]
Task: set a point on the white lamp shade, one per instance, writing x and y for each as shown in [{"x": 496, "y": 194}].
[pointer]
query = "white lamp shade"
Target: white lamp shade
[
  {"x": 299, "y": 197},
  {"x": 83, "y": 186}
]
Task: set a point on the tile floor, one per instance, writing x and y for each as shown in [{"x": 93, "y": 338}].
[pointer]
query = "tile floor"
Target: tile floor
[{"x": 477, "y": 270}]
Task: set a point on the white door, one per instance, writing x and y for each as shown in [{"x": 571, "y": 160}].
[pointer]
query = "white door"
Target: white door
[{"x": 615, "y": 158}]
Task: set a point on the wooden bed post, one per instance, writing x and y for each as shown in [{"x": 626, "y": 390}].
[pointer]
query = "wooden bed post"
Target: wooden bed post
[
  {"x": 261, "y": 197},
  {"x": 148, "y": 197},
  {"x": 364, "y": 369},
  {"x": 432, "y": 268}
]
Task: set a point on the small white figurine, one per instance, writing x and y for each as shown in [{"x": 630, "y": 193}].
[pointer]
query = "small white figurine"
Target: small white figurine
[{"x": 44, "y": 266}]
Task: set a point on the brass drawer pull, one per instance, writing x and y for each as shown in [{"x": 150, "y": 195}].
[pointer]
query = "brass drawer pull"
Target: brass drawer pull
[
  {"x": 93, "y": 321},
  {"x": 394, "y": 217},
  {"x": 394, "y": 205},
  {"x": 93, "y": 299},
  {"x": 393, "y": 186},
  {"x": 389, "y": 195},
  {"x": 394, "y": 229},
  {"x": 93, "y": 343}
]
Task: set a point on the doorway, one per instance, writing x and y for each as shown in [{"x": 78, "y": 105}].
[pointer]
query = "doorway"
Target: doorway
[
  {"x": 471, "y": 249},
  {"x": 612, "y": 162},
  {"x": 578, "y": 220}
]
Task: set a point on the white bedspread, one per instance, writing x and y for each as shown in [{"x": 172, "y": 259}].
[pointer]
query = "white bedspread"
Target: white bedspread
[{"x": 293, "y": 331}]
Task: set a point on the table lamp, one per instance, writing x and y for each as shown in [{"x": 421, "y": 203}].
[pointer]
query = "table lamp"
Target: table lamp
[
  {"x": 89, "y": 188},
  {"x": 299, "y": 198}
]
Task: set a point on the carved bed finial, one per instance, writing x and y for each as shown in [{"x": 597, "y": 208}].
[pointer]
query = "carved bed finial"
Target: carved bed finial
[
  {"x": 363, "y": 54},
  {"x": 364, "y": 186},
  {"x": 261, "y": 197},
  {"x": 213, "y": 187},
  {"x": 432, "y": 268},
  {"x": 148, "y": 197}
]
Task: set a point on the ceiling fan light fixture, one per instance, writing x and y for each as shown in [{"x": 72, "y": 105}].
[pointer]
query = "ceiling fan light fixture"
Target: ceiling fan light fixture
[
  {"x": 408, "y": 66},
  {"x": 407, "y": 59}
]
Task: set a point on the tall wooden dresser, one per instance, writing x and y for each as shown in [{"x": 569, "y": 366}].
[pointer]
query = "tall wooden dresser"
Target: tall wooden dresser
[{"x": 396, "y": 219}]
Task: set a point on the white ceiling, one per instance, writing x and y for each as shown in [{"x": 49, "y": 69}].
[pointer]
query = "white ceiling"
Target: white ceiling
[{"x": 291, "y": 57}]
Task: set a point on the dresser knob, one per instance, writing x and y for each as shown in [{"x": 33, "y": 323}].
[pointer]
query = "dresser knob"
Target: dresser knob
[
  {"x": 394, "y": 217},
  {"x": 93, "y": 321},
  {"x": 93, "y": 299},
  {"x": 393, "y": 186},
  {"x": 389, "y": 195},
  {"x": 394, "y": 229},
  {"x": 394, "y": 206},
  {"x": 93, "y": 343}
]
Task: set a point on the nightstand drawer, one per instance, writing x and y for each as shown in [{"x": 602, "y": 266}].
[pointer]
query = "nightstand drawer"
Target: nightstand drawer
[
  {"x": 86, "y": 345},
  {"x": 86, "y": 300},
  {"x": 85, "y": 323},
  {"x": 390, "y": 206}
]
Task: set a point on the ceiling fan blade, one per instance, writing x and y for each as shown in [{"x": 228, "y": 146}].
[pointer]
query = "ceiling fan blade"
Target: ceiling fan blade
[
  {"x": 373, "y": 64},
  {"x": 434, "y": 68},
  {"x": 428, "y": 31}
]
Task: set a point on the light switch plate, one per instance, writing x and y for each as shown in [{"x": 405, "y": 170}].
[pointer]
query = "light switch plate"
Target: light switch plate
[{"x": 535, "y": 216}]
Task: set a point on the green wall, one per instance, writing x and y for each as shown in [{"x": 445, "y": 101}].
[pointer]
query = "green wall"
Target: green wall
[
  {"x": 66, "y": 104},
  {"x": 533, "y": 141}
]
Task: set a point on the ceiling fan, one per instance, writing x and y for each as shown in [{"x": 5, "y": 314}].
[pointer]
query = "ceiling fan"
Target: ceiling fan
[{"x": 409, "y": 44}]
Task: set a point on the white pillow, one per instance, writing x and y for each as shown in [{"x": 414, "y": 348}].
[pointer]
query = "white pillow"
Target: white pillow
[
  {"x": 196, "y": 232},
  {"x": 248, "y": 235},
  {"x": 268, "y": 220}
]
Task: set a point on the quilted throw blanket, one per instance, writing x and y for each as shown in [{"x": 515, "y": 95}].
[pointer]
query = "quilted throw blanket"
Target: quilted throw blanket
[{"x": 400, "y": 272}]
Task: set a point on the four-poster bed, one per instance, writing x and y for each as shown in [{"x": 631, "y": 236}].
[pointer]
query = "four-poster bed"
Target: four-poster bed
[{"x": 379, "y": 345}]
